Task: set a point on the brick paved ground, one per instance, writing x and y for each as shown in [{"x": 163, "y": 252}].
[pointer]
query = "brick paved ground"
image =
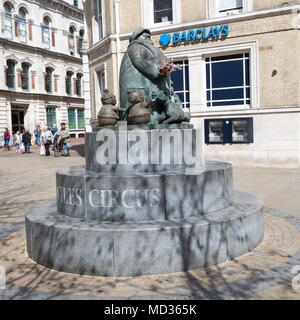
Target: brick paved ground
[{"x": 264, "y": 273}]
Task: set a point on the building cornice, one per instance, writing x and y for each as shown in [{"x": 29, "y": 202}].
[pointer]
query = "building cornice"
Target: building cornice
[
  {"x": 37, "y": 50},
  {"x": 41, "y": 96}
]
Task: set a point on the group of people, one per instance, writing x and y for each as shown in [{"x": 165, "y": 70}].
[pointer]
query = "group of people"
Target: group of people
[{"x": 43, "y": 139}]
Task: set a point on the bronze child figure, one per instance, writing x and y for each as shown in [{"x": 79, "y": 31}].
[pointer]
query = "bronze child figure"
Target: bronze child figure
[
  {"x": 109, "y": 112},
  {"x": 138, "y": 112}
]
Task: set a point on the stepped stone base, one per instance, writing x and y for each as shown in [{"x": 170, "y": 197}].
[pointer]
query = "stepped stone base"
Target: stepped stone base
[{"x": 139, "y": 248}]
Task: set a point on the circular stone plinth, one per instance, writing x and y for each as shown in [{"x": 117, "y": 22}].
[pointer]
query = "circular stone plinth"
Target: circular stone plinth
[
  {"x": 143, "y": 248},
  {"x": 144, "y": 196}
]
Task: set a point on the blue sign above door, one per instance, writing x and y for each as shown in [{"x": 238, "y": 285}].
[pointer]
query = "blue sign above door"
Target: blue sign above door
[{"x": 194, "y": 35}]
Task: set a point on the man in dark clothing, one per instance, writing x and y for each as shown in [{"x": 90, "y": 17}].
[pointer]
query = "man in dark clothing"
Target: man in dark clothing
[
  {"x": 6, "y": 138},
  {"x": 26, "y": 140}
]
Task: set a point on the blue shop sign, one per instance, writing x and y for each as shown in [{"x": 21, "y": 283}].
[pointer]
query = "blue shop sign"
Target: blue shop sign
[{"x": 193, "y": 35}]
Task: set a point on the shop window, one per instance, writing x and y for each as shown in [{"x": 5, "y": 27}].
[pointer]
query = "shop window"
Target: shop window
[
  {"x": 80, "y": 119},
  {"x": 100, "y": 19},
  {"x": 48, "y": 80},
  {"x": 227, "y": 80},
  {"x": 163, "y": 11},
  {"x": 22, "y": 26},
  {"x": 72, "y": 118},
  {"x": 10, "y": 74},
  {"x": 180, "y": 79},
  {"x": 51, "y": 116},
  {"x": 232, "y": 130},
  {"x": 8, "y": 23},
  {"x": 69, "y": 83},
  {"x": 25, "y": 76},
  {"x": 71, "y": 39},
  {"x": 78, "y": 85},
  {"x": 46, "y": 33}
]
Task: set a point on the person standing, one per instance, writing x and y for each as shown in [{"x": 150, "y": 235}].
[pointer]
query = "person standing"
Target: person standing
[
  {"x": 26, "y": 140},
  {"x": 37, "y": 134},
  {"x": 46, "y": 139},
  {"x": 18, "y": 137},
  {"x": 64, "y": 137},
  {"x": 6, "y": 139},
  {"x": 54, "y": 129}
]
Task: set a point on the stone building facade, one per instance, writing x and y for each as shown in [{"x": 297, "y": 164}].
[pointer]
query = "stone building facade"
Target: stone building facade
[
  {"x": 41, "y": 70},
  {"x": 240, "y": 76}
]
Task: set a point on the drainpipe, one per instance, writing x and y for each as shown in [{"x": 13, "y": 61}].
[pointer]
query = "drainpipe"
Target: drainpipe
[{"x": 117, "y": 18}]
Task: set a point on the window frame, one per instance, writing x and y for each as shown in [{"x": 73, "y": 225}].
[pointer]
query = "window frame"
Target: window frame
[
  {"x": 46, "y": 31},
  {"x": 148, "y": 14},
  {"x": 48, "y": 112},
  {"x": 244, "y": 86},
  {"x": 186, "y": 87},
  {"x": 50, "y": 80},
  {"x": 27, "y": 77},
  {"x": 13, "y": 75},
  {"x": 79, "y": 85},
  {"x": 8, "y": 21},
  {"x": 99, "y": 20},
  {"x": 71, "y": 40},
  {"x": 22, "y": 21},
  {"x": 77, "y": 112},
  {"x": 69, "y": 75},
  {"x": 213, "y": 12}
]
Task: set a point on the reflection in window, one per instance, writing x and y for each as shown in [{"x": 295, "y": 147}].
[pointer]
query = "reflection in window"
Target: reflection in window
[
  {"x": 180, "y": 79},
  {"x": 227, "y": 80},
  {"x": 72, "y": 118},
  {"x": 69, "y": 83},
  {"x": 25, "y": 76},
  {"x": 46, "y": 33},
  {"x": 100, "y": 19},
  {"x": 80, "y": 41},
  {"x": 48, "y": 80},
  {"x": 163, "y": 11},
  {"x": 10, "y": 74},
  {"x": 72, "y": 41},
  {"x": 51, "y": 116},
  {"x": 22, "y": 26},
  {"x": 230, "y": 6},
  {"x": 8, "y": 25},
  {"x": 78, "y": 85}
]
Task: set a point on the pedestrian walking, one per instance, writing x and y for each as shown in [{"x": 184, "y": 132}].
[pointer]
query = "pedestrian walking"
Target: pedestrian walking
[
  {"x": 46, "y": 138},
  {"x": 37, "y": 134},
  {"x": 18, "y": 138},
  {"x": 6, "y": 139},
  {"x": 26, "y": 137}
]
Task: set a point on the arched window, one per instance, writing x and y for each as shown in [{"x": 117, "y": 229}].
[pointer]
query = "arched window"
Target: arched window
[
  {"x": 78, "y": 84},
  {"x": 10, "y": 74},
  {"x": 48, "y": 80},
  {"x": 22, "y": 26},
  {"x": 69, "y": 83},
  {"x": 8, "y": 25},
  {"x": 25, "y": 76},
  {"x": 72, "y": 41},
  {"x": 81, "y": 35},
  {"x": 46, "y": 33}
]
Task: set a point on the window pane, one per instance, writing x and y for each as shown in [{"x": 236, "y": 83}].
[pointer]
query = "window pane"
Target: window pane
[
  {"x": 163, "y": 11},
  {"x": 71, "y": 119},
  {"x": 228, "y": 103},
  {"x": 227, "y": 74},
  {"x": 230, "y": 4},
  {"x": 177, "y": 78},
  {"x": 10, "y": 74},
  {"x": 81, "y": 122},
  {"x": 24, "y": 76},
  {"x": 208, "y": 76},
  {"x": 51, "y": 116},
  {"x": 247, "y": 72},
  {"x": 228, "y": 94}
]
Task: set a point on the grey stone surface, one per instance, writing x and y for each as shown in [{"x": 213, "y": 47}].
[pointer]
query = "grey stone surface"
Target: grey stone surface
[
  {"x": 166, "y": 160},
  {"x": 144, "y": 196},
  {"x": 142, "y": 248}
]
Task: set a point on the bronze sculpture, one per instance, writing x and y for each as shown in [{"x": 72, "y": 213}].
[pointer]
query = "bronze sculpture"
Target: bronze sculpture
[
  {"x": 140, "y": 71},
  {"x": 138, "y": 111},
  {"x": 109, "y": 112}
]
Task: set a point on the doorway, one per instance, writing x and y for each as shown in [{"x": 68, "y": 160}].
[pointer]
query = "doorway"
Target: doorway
[{"x": 17, "y": 119}]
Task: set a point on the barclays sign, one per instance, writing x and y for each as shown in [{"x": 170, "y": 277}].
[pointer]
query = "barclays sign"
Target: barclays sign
[{"x": 193, "y": 35}]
